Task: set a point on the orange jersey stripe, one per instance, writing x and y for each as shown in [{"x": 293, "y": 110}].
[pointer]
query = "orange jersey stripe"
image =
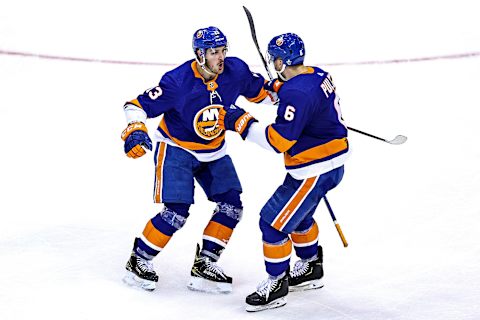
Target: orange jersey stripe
[
  {"x": 159, "y": 172},
  {"x": 155, "y": 236},
  {"x": 307, "y": 237},
  {"x": 277, "y": 141},
  {"x": 218, "y": 231},
  {"x": 214, "y": 144},
  {"x": 318, "y": 152},
  {"x": 282, "y": 219},
  {"x": 274, "y": 251},
  {"x": 261, "y": 95},
  {"x": 309, "y": 70}
]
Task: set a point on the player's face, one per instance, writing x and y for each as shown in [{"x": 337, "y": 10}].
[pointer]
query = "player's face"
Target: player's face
[
  {"x": 278, "y": 64},
  {"x": 215, "y": 58}
]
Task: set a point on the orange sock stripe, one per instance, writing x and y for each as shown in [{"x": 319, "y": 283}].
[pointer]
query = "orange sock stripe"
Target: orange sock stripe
[
  {"x": 277, "y": 251},
  {"x": 159, "y": 172},
  {"x": 307, "y": 237},
  {"x": 218, "y": 231},
  {"x": 154, "y": 236},
  {"x": 282, "y": 219}
]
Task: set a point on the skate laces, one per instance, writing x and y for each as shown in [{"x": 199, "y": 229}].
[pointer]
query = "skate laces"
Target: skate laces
[
  {"x": 300, "y": 267},
  {"x": 145, "y": 265},
  {"x": 214, "y": 267},
  {"x": 267, "y": 286}
]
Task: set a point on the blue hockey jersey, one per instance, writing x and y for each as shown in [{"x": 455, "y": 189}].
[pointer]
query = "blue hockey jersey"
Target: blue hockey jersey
[
  {"x": 190, "y": 105},
  {"x": 309, "y": 128}
]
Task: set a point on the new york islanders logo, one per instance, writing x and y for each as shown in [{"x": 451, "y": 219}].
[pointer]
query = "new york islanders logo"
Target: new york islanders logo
[{"x": 205, "y": 122}]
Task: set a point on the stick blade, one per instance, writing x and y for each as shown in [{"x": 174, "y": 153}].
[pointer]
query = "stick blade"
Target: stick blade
[{"x": 398, "y": 140}]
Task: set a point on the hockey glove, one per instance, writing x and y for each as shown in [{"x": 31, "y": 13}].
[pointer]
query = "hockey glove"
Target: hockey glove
[
  {"x": 235, "y": 119},
  {"x": 273, "y": 85},
  {"x": 136, "y": 140}
]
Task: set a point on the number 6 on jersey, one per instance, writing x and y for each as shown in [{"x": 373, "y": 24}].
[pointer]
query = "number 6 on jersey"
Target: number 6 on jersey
[{"x": 289, "y": 113}]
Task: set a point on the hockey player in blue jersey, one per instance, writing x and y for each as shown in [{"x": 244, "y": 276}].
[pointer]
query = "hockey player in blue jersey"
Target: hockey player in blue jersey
[
  {"x": 310, "y": 132},
  {"x": 190, "y": 146}
]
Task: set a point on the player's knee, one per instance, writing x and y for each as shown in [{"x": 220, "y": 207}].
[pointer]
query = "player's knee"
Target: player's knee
[
  {"x": 175, "y": 214},
  {"x": 228, "y": 210},
  {"x": 270, "y": 234},
  {"x": 304, "y": 225},
  {"x": 231, "y": 197}
]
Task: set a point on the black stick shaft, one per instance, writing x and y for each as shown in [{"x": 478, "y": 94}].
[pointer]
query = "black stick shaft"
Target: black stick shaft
[
  {"x": 367, "y": 134},
  {"x": 255, "y": 41}
]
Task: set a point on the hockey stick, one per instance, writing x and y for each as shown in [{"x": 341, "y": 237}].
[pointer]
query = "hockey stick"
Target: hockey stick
[
  {"x": 337, "y": 225},
  {"x": 254, "y": 37},
  {"x": 399, "y": 139}
]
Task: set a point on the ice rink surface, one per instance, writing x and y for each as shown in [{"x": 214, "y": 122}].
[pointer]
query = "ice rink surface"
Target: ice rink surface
[{"x": 71, "y": 203}]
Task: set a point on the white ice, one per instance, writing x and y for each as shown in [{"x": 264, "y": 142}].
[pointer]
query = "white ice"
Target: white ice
[{"x": 71, "y": 203}]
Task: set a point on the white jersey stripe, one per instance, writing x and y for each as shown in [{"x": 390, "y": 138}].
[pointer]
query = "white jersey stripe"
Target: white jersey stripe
[{"x": 288, "y": 202}]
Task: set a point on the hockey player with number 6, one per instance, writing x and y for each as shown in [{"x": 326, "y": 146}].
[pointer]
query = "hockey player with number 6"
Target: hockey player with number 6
[
  {"x": 190, "y": 146},
  {"x": 310, "y": 132}
]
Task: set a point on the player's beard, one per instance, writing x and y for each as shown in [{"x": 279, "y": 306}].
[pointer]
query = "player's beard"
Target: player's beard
[{"x": 217, "y": 68}]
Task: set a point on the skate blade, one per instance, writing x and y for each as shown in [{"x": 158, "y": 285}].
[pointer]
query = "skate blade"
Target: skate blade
[
  {"x": 280, "y": 302},
  {"x": 204, "y": 285},
  {"x": 133, "y": 280},
  {"x": 307, "y": 285}
]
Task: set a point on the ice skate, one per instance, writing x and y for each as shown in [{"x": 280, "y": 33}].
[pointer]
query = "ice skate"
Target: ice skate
[
  {"x": 207, "y": 276},
  {"x": 271, "y": 293},
  {"x": 140, "y": 273},
  {"x": 307, "y": 275}
]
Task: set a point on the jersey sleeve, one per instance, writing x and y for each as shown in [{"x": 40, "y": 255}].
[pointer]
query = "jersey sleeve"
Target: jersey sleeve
[
  {"x": 159, "y": 99},
  {"x": 253, "y": 82},
  {"x": 292, "y": 115}
]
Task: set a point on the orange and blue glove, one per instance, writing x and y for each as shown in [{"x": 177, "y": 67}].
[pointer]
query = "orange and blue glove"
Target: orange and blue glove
[
  {"x": 236, "y": 119},
  {"x": 136, "y": 140},
  {"x": 273, "y": 85}
]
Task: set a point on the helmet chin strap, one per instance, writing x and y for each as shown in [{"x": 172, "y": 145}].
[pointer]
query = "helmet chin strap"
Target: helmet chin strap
[
  {"x": 209, "y": 71},
  {"x": 203, "y": 64},
  {"x": 281, "y": 71}
]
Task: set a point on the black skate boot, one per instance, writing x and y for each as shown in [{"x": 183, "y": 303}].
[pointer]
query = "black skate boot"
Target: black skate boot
[
  {"x": 271, "y": 293},
  {"x": 140, "y": 273},
  {"x": 207, "y": 276},
  {"x": 306, "y": 274}
]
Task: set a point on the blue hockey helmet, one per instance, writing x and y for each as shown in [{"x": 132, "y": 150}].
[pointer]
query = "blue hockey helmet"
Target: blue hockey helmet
[
  {"x": 289, "y": 47},
  {"x": 210, "y": 37}
]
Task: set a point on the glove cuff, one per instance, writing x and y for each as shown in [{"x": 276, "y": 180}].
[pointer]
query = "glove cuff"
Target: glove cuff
[
  {"x": 243, "y": 124},
  {"x": 135, "y": 126}
]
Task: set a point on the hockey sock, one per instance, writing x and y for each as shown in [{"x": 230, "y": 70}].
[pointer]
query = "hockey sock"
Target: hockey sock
[
  {"x": 305, "y": 239},
  {"x": 219, "y": 230},
  {"x": 277, "y": 249},
  {"x": 160, "y": 229}
]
